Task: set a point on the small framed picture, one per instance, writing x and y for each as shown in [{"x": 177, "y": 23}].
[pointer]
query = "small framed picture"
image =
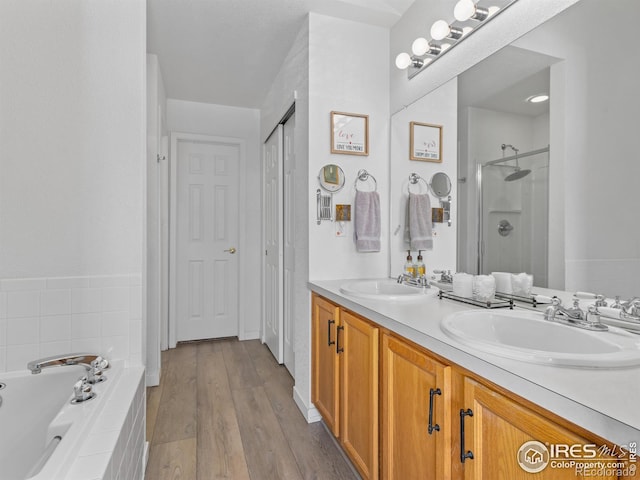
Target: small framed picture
[
  {"x": 349, "y": 133},
  {"x": 425, "y": 142}
]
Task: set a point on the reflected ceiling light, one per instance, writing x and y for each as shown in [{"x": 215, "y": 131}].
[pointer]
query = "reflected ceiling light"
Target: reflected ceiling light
[
  {"x": 444, "y": 35},
  {"x": 441, "y": 30},
  {"x": 466, "y": 9},
  {"x": 543, "y": 97}
]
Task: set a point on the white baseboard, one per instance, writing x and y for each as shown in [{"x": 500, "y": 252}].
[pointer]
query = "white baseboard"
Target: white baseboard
[
  {"x": 253, "y": 335},
  {"x": 310, "y": 413},
  {"x": 145, "y": 458},
  {"x": 152, "y": 379}
]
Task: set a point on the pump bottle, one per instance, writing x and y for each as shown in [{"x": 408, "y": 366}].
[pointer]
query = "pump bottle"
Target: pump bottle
[
  {"x": 409, "y": 267},
  {"x": 420, "y": 267}
]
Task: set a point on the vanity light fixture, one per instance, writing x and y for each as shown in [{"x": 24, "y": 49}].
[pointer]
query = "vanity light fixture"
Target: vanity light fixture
[
  {"x": 468, "y": 15},
  {"x": 543, "y": 97}
]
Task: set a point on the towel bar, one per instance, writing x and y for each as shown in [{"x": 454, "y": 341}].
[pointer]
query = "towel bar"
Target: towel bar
[
  {"x": 414, "y": 178},
  {"x": 363, "y": 176}
]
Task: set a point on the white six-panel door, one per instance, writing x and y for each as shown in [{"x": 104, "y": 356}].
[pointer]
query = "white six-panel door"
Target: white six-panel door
[
  {"x": 273, "y": 204},
  {"x": 206, "y": 236}
]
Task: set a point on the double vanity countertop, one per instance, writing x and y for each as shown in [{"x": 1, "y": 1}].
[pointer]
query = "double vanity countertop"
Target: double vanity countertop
[{"x": 605, "y": 401}]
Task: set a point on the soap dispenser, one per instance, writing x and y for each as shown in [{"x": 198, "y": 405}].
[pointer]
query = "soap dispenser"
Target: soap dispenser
[
  {"x": 420, "y": 267},
  {"x": 409, "y": 267}
]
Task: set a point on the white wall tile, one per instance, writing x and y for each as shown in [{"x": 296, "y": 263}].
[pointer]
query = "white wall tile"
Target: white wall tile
[
  {"x": 135, "y": 336},
  {"x": 22, "y": 331},
  {"x": 55, "y": 328},
  {"x": 115, "y": 347},
  {"x": 3, "y": 359},
  {"x": 23, "y": 303},
  {"x": 86, "y": 300},
  {"x": 135, "y": 302},
  {"x": 55, "y": 302},
  {"x": 19, "y": 355},
  {"x": 85, "y": 325},
  {"x": 3, "y": 304},
  {"x": 115, "y": 299},
  {"x": 48, "y": 349},
  {"x": 3, "y": 332},
  {"x": 89, "y": 345},
  {"x": 22, "y": 284},
  {"x": 67, "y": 283},
  {"x": 115, "y": 323},
  {"x": 110, "y": 281}
]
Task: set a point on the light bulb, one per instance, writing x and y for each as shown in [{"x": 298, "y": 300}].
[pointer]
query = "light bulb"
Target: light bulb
[
  {"x": 464, "y": 10},
  {"x": 440, "y": 30},
  {"x": 538, "y": 98},
  {"x": 403, "y": 60},
  {"x": 420, "y": 46}
]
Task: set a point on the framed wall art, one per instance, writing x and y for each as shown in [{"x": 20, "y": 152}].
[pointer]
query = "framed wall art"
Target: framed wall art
[
  {"x": 349, "y": 133},
  {"x": 425, "y": 142}
]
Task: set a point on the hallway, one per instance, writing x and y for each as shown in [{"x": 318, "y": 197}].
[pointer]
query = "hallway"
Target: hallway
[{"x": 224, "y": 409}]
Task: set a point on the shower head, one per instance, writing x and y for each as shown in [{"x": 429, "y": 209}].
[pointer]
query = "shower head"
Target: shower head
[{"x": 517, "y": 174}]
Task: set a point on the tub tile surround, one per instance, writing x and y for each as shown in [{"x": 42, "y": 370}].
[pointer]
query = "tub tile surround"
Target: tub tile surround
[
  {"x": 47, "y": 316},
  {"x": 114, "y": 449}
]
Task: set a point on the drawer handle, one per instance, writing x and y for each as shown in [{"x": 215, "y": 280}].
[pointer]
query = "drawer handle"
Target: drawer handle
[
  {"x": 433, "y": 427},
  {"x": 338, "y": 347},
  {"x": 469, "y": 453},
  {"x": 329, "y": 341}
]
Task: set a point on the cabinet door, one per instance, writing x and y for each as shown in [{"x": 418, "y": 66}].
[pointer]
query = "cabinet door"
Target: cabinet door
[
  {"x": 498, "y": 429},
  {"x": 325, "y": 390},
  {"x": 359, "y": 388},
  {"x": 410, "y": 449}
]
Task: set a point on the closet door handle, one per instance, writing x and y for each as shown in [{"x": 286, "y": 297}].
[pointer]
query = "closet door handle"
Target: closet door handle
[
  {"x": 469, "y": 453},
  {"x": 329, "y": 341},
  {"x": 338, "y": 348},
  {"x": 433, "y": 427}
]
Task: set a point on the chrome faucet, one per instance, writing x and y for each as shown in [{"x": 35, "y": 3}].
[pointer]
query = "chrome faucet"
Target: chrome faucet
[
  {"x": 574, "y": 316},
  {"x": 90, "y": 361},
  {"x": 412, "y": 281},
  {"x": 445, "y": 276}
]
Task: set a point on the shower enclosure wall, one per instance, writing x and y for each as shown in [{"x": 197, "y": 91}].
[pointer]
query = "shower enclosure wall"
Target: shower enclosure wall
[{"x": 513, "y": 214}]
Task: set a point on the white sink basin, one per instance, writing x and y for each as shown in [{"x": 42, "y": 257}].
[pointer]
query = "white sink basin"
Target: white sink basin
[
  {"x": 385, "y": 289},
  {"x": 527, "y": 336}
]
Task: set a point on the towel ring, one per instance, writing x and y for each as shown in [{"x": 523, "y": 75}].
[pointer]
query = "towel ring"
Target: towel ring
[
  {"x": 414, "y": 178},
  {"x": 363, "y": 176}
]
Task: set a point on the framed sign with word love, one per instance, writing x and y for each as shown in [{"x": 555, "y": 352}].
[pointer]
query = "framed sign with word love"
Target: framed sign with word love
[
  {"x": 349, "y": 133},
  {"x": 425, "y": 142}
]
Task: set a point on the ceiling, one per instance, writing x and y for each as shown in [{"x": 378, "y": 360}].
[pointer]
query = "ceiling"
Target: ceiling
[
  {"x": 505, "y": 80},
  {"x": 228, "y": 52}
]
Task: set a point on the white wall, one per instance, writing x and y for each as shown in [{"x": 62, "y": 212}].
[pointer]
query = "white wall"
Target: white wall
[
  {"x": 156, "y": 129},
  {"x": 292, "y": 84},
  {"x": 348, "y": 72},
  {"x": 439, "y": 107},
  {"x": 72, "y": 130},
  {"x": 244, "y": 123}
]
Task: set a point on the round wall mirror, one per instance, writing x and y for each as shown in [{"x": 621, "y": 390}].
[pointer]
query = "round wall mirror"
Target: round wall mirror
[
  {"x": 440, "y": 184},
  {"x": 331, "y": 178}
]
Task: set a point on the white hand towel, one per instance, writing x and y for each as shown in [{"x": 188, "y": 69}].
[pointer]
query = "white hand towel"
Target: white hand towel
[
  {"x": 420, "y": 222},
  {"x": 367, "y": 221}
]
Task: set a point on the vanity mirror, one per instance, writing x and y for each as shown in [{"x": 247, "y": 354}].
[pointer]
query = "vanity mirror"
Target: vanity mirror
[
  {"x": 585, "y": 239},
  {"x": 331, "y": 178},
  {"x": 440, "y": 184}
]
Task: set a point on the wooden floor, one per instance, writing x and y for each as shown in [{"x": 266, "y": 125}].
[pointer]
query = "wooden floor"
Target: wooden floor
[{"x": 224, "y": 409}]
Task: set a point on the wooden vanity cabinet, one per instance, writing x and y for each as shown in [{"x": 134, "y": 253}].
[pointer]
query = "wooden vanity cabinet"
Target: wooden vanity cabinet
[
  {"x": 325, "y": 364},
  {"x": 497, "y": 429},
  {"x": 416, "y": 414},
  {"x": 345, "y": 377}
]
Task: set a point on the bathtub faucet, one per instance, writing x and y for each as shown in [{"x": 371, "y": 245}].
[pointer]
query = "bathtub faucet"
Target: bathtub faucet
[{"x": 87, "y": 360}]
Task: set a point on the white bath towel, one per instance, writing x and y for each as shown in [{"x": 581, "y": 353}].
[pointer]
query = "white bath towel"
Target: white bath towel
[
  {"x": 367, "y": 221},
  {"x": 419, "y": 220}
]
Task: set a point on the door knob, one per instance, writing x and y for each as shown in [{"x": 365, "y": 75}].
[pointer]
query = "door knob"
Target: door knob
[{"x": 231, "y": 250}]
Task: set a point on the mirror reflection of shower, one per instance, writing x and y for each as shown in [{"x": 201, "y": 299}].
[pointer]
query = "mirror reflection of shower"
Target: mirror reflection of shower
[{"x": 513, "y": 213}]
